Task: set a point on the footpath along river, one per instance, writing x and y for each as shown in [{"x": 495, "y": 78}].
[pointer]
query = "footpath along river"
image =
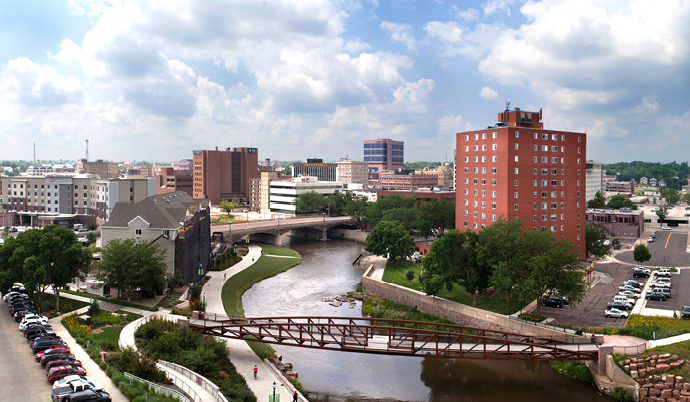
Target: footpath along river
[{"x": 327, "y": 270}]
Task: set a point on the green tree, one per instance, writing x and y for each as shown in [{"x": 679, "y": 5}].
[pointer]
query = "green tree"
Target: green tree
[
  {"x": 686, "y": 198},
  {"x": 92, "y": 225},
  {"x": 390, "y": 239},
  {"x": 553, "y": 267},
  {"x": 641, "y": 253},
  {"x": 91, "y": 238},
  {"x": 661, "y": 213},
  {"x": 127, "y": 265},
  {"x": 453, "y": 258},
  {"x": 599, "y": 201},
  {"x": 594, "y": 247},
  {"x": 308, "y": 203},
  {"x": 406, "y": 216},
  {"x": 357, "y": 209},
  {"x": 228, "y": 206},
  {"x": 376, "y": 209},
  {"x": 618, "y": 202},
  {"x": 440, "y": 213},
  {"x": 500, "y": 250}
]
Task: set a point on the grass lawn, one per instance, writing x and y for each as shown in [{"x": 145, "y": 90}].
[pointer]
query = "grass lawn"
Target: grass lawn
[
  {"x": 232, "y": 292},
  {"x": 49, "y": 297},
  {"x": 395, "y": 273},
  {"x": 109, "y": 334},
  {"x": 275, "y": 250},
  {"x": 109, "y": 300}
]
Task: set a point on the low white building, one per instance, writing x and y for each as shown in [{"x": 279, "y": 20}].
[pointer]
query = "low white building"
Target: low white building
[
  {"x": 595, "y": 180},
  {"x": 284, "y": 193}
]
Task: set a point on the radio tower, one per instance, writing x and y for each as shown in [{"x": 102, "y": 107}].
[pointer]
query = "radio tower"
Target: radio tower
[
  {"x": 87, "y": 150},
  {"x": 34, "y": 153}
]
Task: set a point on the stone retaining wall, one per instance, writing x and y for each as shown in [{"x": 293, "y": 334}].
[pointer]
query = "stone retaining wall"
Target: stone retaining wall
[
  {"x": 455, "y": 312},
  {"x": 356, "y": 235}
]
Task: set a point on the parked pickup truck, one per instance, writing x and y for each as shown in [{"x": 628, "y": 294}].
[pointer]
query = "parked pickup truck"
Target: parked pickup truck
[{"x": 61, "y": 393}]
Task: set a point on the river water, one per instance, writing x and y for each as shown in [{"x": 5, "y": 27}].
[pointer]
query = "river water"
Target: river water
[{"x": 326, "y": 271}]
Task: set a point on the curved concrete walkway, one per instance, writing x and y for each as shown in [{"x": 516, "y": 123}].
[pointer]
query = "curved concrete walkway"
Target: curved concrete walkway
[{"x": 241, "y": 355}]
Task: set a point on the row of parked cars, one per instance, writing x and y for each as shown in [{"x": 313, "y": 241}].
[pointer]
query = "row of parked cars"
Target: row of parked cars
[
  {"x": 631, "y": 291},
  {"x": 70, "y": 383}
]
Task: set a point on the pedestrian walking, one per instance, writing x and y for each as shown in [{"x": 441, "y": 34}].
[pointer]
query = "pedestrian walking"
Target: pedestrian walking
[
  {"x": 224, "y": 275},
  {"x": 252, "y": 259},
  {"x": 256, "y": 370},
  {"x": 294, "y": 397},
  {"x": 674, "y": 314},
  {"x": 664, "y": 258}
]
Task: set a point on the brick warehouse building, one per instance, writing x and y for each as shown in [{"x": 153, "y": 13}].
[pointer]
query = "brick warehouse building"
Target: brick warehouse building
[
  {"x": 224, "y": 175},
  {"x": 518, "y": 169}
]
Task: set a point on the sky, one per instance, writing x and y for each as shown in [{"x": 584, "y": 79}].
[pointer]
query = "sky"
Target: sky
[{"x": 155, "y": 80}]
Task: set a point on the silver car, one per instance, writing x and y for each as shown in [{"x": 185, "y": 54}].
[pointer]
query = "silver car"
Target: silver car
[{"x": 614, "y": 312}]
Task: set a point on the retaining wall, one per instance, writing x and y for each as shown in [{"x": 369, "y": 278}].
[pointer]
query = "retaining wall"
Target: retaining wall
[
  {"x": 458, "y": 313},
  {"x": 356, "y": 235}
]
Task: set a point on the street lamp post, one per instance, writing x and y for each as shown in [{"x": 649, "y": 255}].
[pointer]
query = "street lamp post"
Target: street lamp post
[
  {"x": 204, "y": 300},
  {"x": 274, "y": 391}
]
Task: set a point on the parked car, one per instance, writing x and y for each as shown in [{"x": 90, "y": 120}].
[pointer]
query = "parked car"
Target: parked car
[
  {"x": 34, "y": 315},
  {"x": 633, "y": 283},
  {"x": 95, "y": 385},
  {"x": 624, "y": 299},
  {"x": 55, "y": 356},
  {"x": 23, "y": 324},
  {"x": 52, "y": 349},
  {"x": 641, "y": 273},
  {"x": 650, "y": 239},
  {"x": 655, "y": 296},
  {"x": 89, "y": 396},
  {"x": 43, "y": 333},
  {"x": 685, "y": 312},
  {"x": 629, "y": 294},
  {"x": 665, "y": 228},
  {"x": 664, "y": 291},
  {"x": 630, "y": 288},
  {"x": 614, "y": 312},
  {"x": 553, "y": 301},
  {"x": 48, "y": 344},
  {"x": 62, "y": 391},
  {"x": 653, "y": 235},
  {"x": 55, "y": 373},
  {"x": 63, "y": 362},
  {"x": 662, "y": 272},
  {"x": 620, "y": 305},
  {"x": 607, "y": 243},
  {"x": 661, "y": 283}
]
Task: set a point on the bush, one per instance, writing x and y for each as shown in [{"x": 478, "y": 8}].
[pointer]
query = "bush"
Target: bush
[
  {"x": 94, "y": 308},
  {"x": 532, "y": 317},
  {"x": 622, "y": 395},
  {"x": 106, "y": 318},
  {"x": 409, "y": 275},
  {"x": 572, "y": 369}
]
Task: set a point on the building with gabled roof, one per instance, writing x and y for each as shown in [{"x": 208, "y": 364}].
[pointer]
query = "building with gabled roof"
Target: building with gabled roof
[{"x": 178, "y": 223}]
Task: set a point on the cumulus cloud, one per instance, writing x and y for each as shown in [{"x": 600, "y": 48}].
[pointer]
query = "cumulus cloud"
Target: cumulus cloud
[
  {"x": 497, "y": 6},
  {"x": 33, "y": 85},
  {"x": 488, "y": 93},
  {"x": 402, "y": 33},
  {"x": 471, "y": 14}
]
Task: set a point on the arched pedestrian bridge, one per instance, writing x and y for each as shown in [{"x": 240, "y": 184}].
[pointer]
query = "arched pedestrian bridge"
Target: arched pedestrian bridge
[
  {"x": 269, "y": 231},
  {"x": 397, "y": 337}
]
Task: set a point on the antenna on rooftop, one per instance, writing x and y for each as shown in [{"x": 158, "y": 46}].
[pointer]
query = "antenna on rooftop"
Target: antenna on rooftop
[
  {"x": 87, "y": 149},
  {"x": 34, "y": 153},
  {"x": 507, "y": 106}
]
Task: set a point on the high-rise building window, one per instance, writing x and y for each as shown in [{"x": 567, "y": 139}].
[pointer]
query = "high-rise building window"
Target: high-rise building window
[
  {"x": 516, "y": 158},
  {"x": 494, "y": 135},
  {"x": 516, "y": 170},
  {"x": 517, "y": 146},
  {"x": 516, "y": 207},
  {"x": 517, "y": 134},
  {"x": 493, "y": 159}
]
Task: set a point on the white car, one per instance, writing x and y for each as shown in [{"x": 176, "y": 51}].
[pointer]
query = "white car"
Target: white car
[
  {"x": 650, "y": 240},
  {"x": 662, "y": 272},
  {"x": 661, "y": 284},
  {"x": 614, "y": 312},
  {"x": 33, "y": 321},
  {"x": 628, "y": 294},
  {"x": 95, "y": 385},
  {"x": 34, "y": 316},
  {"x": 665, "y": 228},
  {"x": 630, "y": 288}
]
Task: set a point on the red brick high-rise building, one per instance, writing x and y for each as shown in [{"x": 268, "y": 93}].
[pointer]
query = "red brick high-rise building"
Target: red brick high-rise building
[
  {"x": 225, "y": 175},
  {"x": 518, "y": 169}
]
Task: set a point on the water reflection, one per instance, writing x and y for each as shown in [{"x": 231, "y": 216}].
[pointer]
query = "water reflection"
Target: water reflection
[{"x": 325, "y": 271}]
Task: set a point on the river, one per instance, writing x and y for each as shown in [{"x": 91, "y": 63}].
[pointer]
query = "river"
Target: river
[{"x": 327, "y": 270}]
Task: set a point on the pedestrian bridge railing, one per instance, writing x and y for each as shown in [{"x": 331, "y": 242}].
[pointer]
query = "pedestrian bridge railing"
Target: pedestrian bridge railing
[{"x": 168, "y": 391}]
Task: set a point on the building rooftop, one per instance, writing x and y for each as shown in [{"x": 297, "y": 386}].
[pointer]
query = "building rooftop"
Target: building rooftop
[{"x": 167, "y": 211}]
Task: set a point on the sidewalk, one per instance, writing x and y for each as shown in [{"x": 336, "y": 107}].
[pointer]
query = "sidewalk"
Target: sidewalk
[
  {"x": 378, "y": 262},
  {"x": 241, "y": 355},
  {"x": 91, "y": 367}
]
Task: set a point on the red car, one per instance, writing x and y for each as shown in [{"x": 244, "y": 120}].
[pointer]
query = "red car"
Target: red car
[
  {"x": 58, "y": 372},
  {"x": 52, "y": 349},
  {"x": 62, "y": 362}
]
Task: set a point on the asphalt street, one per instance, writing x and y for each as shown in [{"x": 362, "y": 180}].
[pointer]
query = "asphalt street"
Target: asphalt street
[
  {"x": 22, "y": 378},
  {"x": 591, "y": 312},
  {"x": 668, "y": 250}
]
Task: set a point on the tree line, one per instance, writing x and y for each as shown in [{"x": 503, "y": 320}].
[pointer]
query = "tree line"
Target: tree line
[{"x": 637, "y": 170}]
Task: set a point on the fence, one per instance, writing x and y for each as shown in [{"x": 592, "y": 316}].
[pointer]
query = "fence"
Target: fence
[
  {"x": 199, "y": 379},
  {"x": 167, "y": 391}
]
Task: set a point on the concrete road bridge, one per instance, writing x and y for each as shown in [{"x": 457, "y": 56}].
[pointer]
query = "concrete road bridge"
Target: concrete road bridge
[
  {"x": 270, "y": 231},
  {"x": 397, "y": 337}
]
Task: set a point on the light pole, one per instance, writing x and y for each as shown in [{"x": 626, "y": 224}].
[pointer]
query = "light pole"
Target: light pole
[
  {"x": 204, "y": 300},
  {"x": 274, "y": 391}
]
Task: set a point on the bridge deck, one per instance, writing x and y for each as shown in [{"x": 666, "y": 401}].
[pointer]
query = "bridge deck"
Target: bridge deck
[{"x": 353, "y": 336}]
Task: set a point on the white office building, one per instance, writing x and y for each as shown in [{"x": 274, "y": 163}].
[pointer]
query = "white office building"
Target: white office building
[
  {"x": 595, "y": 180},
  {"x": 284, "y": 193}
]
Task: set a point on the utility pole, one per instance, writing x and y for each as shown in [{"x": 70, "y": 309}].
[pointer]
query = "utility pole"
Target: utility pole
[{"x": 87, "y": 150}]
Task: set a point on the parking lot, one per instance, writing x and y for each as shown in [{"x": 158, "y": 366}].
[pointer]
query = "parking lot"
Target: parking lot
[
  {"x": 22, "y": 378},
  {"x": 679, "y": 295},
  {"x": 591, "y": 312},
  {"x": 668, "y": 250}
]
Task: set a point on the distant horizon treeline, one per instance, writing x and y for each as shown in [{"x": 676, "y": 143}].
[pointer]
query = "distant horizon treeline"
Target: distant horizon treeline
[{"x": 637, "y": 170}]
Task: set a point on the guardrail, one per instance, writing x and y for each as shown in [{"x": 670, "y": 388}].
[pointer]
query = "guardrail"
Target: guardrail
[
  {"x": 553, "y": 327},
  {"x": 630, "y": 350},
  {"x": 199, "y": 379},
  {"x": 165, "y": 390}
]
